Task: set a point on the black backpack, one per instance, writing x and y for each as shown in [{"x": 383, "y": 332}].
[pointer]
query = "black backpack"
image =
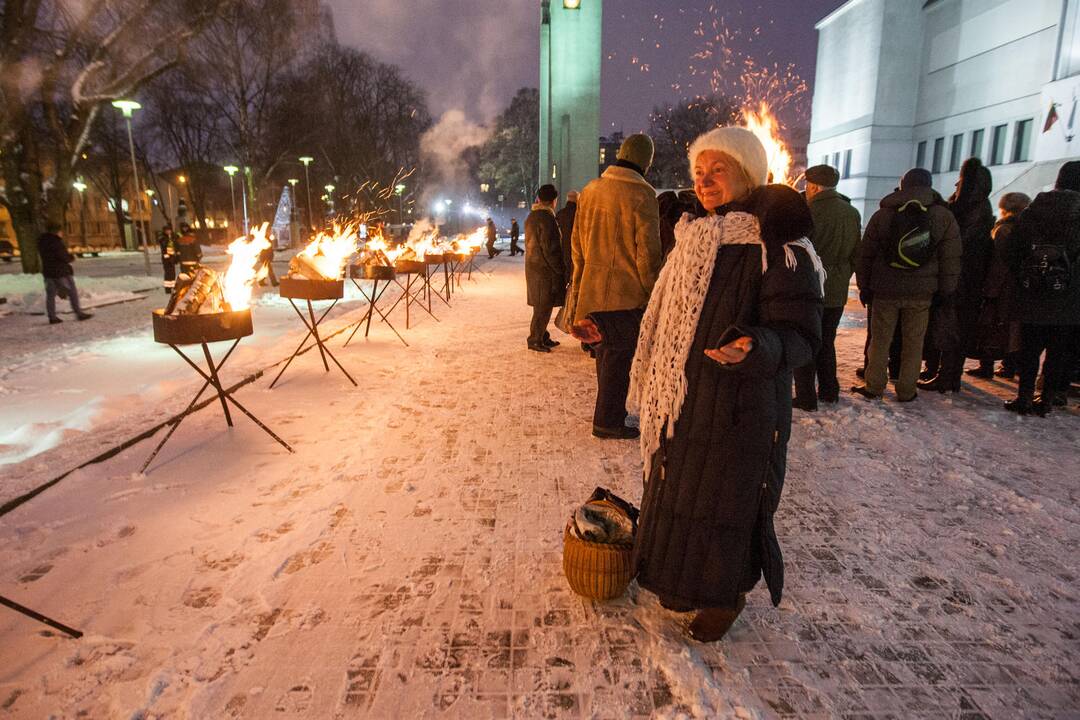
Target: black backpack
[
  {"x": 1046, "y": 270},
  {"x": 910, "y": 245}
]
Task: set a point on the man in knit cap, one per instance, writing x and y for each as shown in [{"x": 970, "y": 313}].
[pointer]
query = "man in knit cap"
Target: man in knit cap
[{"x": 616, "y": 257}]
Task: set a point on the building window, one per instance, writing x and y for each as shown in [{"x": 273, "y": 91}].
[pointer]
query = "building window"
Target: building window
[
  {"x": 920, "y": 155},
  {"x": 977, "y": 143},
  {"x": 836, "y": 160},
  {"x": 1022, "y": 142},
  {"x": 956, "y": 153},
  {"x": 603, "y": 155},
  {"x": 939, "y": 155},
  {"x": 825, "y": 159},
  {"x": 997, "y": 144},
  {"x": 847, "y": 165}
]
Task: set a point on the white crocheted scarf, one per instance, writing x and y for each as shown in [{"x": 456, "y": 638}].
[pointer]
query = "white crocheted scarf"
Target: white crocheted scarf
[{"x": 658, "y": 376}]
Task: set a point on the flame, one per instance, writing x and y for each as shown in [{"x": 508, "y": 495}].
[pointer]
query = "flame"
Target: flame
[
  {"x": 245, "y": 270},
  {"x": 328, "y": 252},
  {"x": 765, "y": 126},
  {"x": 383, "y": 252},
  {"x": 472, "y": 242}
]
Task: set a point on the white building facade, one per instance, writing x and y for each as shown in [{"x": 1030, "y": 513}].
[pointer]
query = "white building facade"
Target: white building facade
[{"x": 930, "y": 83}]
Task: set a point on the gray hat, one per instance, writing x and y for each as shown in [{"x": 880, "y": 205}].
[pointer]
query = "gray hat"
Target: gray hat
[{"x": 823, "y": 175}]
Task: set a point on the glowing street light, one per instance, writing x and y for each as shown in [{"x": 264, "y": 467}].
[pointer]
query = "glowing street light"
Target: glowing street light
[
  {"x": 307, "y": 160},
  {"x": 399, "y": 190},
  {"x": 231, "y": 170},
  {"x": 128, "y": 107},
  {"x": 80, "y": 186}
]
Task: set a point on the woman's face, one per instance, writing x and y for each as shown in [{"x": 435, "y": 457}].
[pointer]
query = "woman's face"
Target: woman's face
[{"x": 718, "y": 179}]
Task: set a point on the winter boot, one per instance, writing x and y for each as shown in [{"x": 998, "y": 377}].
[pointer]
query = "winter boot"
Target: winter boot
[
  {"x": 712, "y": 624},
  {"x": 865, "y": 392},
  {"x": 625, "y": 432}
]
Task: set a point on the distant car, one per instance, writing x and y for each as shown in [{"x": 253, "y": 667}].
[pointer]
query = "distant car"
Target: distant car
[{"x": 7, "y": 251}]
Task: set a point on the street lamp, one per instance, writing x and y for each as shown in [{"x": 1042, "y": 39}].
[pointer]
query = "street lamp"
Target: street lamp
[
  {"x": 81, "y": 187},
  {"x": 399, "y": 190},
  {"x": 232, "y": 170},
  {"x": 128, "y": 107},
  {"x": 307, "y": 160},
  {"x": 330, "y": 196}
]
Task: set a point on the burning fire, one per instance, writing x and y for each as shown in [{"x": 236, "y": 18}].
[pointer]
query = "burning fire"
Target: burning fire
[
  {"x": 378, "y": 248},
  {"x": 328, "y": 252},
  {"x": 245, "y": 270},
  {"x": 765, "y": 126}
]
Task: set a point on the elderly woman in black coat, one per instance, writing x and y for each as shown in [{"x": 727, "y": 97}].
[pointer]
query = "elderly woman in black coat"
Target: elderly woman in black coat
[{"x": 735, "y": 310}]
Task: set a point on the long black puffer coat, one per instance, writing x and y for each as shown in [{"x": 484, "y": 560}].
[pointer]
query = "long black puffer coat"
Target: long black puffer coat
[
  {"x": 970, "y": 204},
  {"x": 706, "y": 531}
]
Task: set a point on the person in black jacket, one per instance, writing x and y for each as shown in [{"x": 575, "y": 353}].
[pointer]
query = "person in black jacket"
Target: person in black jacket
[
  {"x": 971, "y": 207},
  {"x": 167, "y": 245},
  {"x": 1044, "y": 256},
  {"x": 58, "y": 273},
  {"x": 515, "y": 233},
  {"x": 545, "y": 275},
  {"x": 566, "y": 227},
  {"x": 735, "y": 310},
  {"x": 188, "y": 250}
]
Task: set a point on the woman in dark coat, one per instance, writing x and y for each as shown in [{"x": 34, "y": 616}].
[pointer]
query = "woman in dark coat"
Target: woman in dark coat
[
  {"x": 999, "y": 336},
  {"x": 736, "y": 309},
  {"x": 970, "y": 204}
]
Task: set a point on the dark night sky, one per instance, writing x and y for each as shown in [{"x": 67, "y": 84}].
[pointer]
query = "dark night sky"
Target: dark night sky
[{"x": 473, "y": 54}]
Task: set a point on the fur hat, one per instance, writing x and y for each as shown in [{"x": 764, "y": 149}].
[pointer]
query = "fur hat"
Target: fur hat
[
  {"x": 638, "y": 149},
  {"x": 740, "y": 144},
  {"x": 823, "y": 175}
]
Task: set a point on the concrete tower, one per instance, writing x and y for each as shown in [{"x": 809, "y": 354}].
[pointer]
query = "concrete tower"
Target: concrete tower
[{"x": 570, "y": 54}]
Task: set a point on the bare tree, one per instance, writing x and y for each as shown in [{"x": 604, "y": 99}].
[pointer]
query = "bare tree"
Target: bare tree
[
  {"x": 510, "y": 158},
  {"x": 60, "y": 62},
  {"x": 673, "y": 129}
]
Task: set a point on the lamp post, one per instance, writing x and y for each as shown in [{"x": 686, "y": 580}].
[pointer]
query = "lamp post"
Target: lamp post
[
  {"x": 80, "y": 186},
  {"x": 330, "y": 197},
  {"x": 294, "y": 234},
  {"x": 307, "y": 160},
  {"x": 128, "y": 107},
  {"x": 399, "y": 190},
  {"x": 232, "y": 170}
]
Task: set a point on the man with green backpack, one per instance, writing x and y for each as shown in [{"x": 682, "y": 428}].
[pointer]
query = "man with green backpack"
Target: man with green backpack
[{"x": 909, "y": 255}]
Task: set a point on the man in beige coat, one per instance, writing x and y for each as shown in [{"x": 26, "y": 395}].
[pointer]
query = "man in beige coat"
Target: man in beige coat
[{"x": 616, "y": 255}]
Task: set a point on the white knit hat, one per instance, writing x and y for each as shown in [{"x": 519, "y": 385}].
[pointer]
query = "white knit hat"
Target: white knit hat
[{"x": 740, "y": 144}]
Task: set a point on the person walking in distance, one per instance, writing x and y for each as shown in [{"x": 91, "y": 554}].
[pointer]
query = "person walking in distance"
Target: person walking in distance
[
  {"x": 167, "y": 245},
  {"x": 545, "y": 277},
  {"x": 188, "y": 250},
  {"x": 58, "y": 274},
  {"x": 492, "y": 236},
  {"x": 515, "y": 233},
  {"x": 616, "y": 259},
  {"x": 909, "y": 254},
  {"x": 837, "y": 229}
]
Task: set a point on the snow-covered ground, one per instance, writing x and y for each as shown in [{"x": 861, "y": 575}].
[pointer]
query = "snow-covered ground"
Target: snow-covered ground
[{"x": 406, "y": 561}]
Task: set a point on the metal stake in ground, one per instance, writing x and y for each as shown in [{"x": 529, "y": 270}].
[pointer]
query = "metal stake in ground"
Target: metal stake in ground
[{"x": 40, "y": 618}]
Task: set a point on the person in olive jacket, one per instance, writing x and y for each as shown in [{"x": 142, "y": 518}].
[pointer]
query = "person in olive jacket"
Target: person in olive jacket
[
  {"x": 58, "y": 273},
  {"x": 1044, "y": 255},
  {"x": 837, "y": 229},
  {"x": 736, "y": 308},
  {"x": 545, "y": 275},
  {"x": 904, "y": 295}
]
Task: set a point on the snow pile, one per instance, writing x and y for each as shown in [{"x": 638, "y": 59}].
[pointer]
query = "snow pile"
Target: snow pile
[{"x": 26, "y": 293}]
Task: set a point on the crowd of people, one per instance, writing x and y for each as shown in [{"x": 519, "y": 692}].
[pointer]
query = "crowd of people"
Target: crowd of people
[{"x": 712, "y": 315}]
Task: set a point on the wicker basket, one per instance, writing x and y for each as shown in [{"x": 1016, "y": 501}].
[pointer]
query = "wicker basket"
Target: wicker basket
[{"x": 596, "y": 571}]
